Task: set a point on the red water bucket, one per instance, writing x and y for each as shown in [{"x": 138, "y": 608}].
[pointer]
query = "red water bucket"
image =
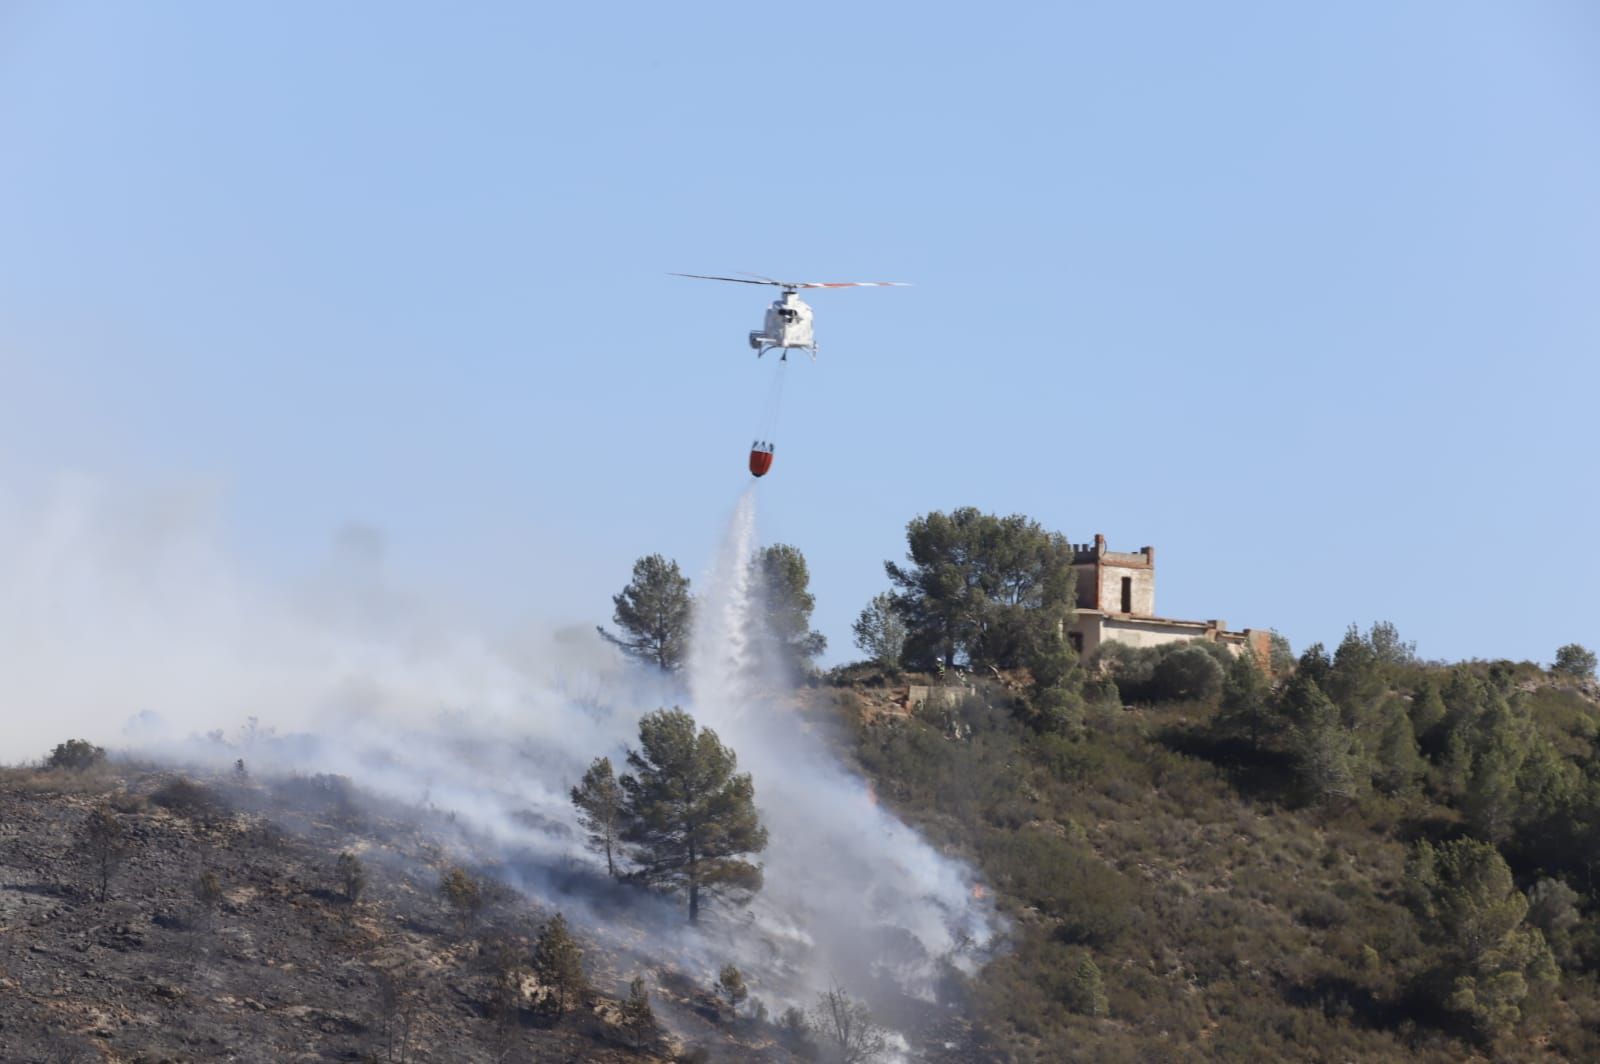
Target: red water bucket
[{"x": 760, "y": 458}]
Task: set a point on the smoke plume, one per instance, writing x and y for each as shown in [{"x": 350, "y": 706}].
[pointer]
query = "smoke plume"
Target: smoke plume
[{"x": 126, "y": 622}]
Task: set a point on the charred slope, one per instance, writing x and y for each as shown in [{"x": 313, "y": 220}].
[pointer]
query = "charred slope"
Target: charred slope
[{"x": 227, "y": 932}]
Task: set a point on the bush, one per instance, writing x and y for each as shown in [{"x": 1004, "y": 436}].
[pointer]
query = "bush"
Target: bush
[
  {"x": 1190, "y": 672},
  {"x": 463, "y": 895},
  {"x": 186, "y": 798},
  {"x": 76, "y": 755},
  {"x": 1170, "y": 672},
  {"x": 352, "y": 876},
  {"x": 1575, "y": 660}
]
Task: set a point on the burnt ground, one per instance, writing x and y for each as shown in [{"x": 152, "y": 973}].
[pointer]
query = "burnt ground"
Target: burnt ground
[{"x": 273, "y": 963}]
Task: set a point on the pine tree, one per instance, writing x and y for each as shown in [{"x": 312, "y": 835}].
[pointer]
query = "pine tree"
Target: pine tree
[
  {"x": 1327, "y": 755},
  {"x": 1427, "y": 713},
  {"x": 1399, "y": 764},
  {"x": 880, "y": 631},
  {"x": 1575, "y": 660},
  {"x": 558, "y": 962},
  {"x": 691, "y": 819},
  {"x": 784, "y": 580},
  {"x": 1085, "y": 991},
  {"x": 463, "y": 895},
  {"x": 730, "y": 985},
  {"x": 1056, "y": 696},
  {"x": 1471, "y": 909},
  {"x": 653, "y": 612},
  {"x": 599, "y": 801},
  {"x": 992, "y": 588},
  {"x": 637, "y": 1015},
  {"x": 1246, "y": 712}
]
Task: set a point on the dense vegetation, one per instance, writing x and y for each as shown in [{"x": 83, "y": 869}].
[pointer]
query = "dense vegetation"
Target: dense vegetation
[{"x": 1355, "y": 855}]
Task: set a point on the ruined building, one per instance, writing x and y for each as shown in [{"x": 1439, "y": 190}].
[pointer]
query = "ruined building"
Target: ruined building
[{"x": 1117, "y": 604}]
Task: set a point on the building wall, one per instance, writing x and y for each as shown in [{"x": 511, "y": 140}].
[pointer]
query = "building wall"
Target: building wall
[
  {"x": 1093, "y": 629},
  {"x": 1100, "y": 573},
  {"x": 1144, "y": 589}
]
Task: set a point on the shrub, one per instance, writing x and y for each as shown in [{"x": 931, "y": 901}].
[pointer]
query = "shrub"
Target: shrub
[
  {"x": 352, "y": 876},
  {"x": 463, "y": 895},
  {"x": 76, "y": 755},
  {"x": 1085, "y": 991},
  {"x": 102, "y": 843},
  {"x": 186, "y": 798},
  {"x": 1189, "y": 672},
  {"x": 1575, "y": 660},
  {"x": 730, "y": 986}
]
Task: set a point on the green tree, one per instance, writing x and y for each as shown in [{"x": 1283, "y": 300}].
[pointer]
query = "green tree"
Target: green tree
[
  {"x": 653, "y": 613},
  {"x": 1472, "y": 911},
  {"x": 1553, "y": 909},
  {"x": 1575, "y": 660},
  {"x": 985, "y": 587},
  {"x": 463, "y": 895},
  {"x": 880, "y": 631},
  {"x": 1327, "y": 755},
  {"x": 730, "y": 986},
  {"x": 690, "y": 817},
  {"x": 1399, "y": 764},
  {"x": 1387, "y": 646},
  {"x": 1280, "y": 654},
  {"x": 558, "y": 962},
  {"x": 1356, "y": 679},
  {"x": 76, "y": 755},
  {"x": 1427, "y": 714},
  {"x": 637, "y": 1016},
  {"x": 599, "y": 801},
  {"x": 1314, "y": 664},
  {"x": 1085, "y": 991},
  {"x": 1056, "y": 697},
  {"x": 1246, "y": 702},
  {"x": 784, "y": 580}
]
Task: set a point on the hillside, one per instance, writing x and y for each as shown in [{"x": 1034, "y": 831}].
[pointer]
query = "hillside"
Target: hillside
[
  {"x": 1192, "y": 878},
  {"x": 1175, "y": 892},
  {"x": 274, "y": 962}
]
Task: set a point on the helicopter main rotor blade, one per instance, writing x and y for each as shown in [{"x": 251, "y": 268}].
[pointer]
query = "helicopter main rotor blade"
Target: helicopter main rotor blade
[
  {"x": 852, "y": 284},
  {"x": 735, "y": 280}
]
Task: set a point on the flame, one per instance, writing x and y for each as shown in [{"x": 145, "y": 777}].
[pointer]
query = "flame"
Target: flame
[
  {"x": 979, "y": 892},
  {"x": 872, "y": 793}
]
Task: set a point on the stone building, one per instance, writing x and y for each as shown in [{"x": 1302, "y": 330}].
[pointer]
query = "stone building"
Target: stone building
[{"x": 1117, "y": 604}]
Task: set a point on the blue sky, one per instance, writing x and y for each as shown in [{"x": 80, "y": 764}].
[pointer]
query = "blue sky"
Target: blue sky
[{"x": 1303, "y": 295}]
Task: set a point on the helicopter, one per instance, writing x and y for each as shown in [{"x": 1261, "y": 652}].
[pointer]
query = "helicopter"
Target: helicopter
[{"x": 787, "y": 325}]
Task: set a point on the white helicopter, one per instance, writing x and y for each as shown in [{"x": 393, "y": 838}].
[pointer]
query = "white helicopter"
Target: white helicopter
[{"x": 787, "y": 325}]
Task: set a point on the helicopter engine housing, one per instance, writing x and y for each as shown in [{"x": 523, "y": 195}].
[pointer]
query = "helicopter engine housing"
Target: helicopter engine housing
[{"x": 787, "y": 324}]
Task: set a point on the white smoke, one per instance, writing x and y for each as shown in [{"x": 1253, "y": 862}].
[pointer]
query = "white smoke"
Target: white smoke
[{"x": 125, "y": 621}]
